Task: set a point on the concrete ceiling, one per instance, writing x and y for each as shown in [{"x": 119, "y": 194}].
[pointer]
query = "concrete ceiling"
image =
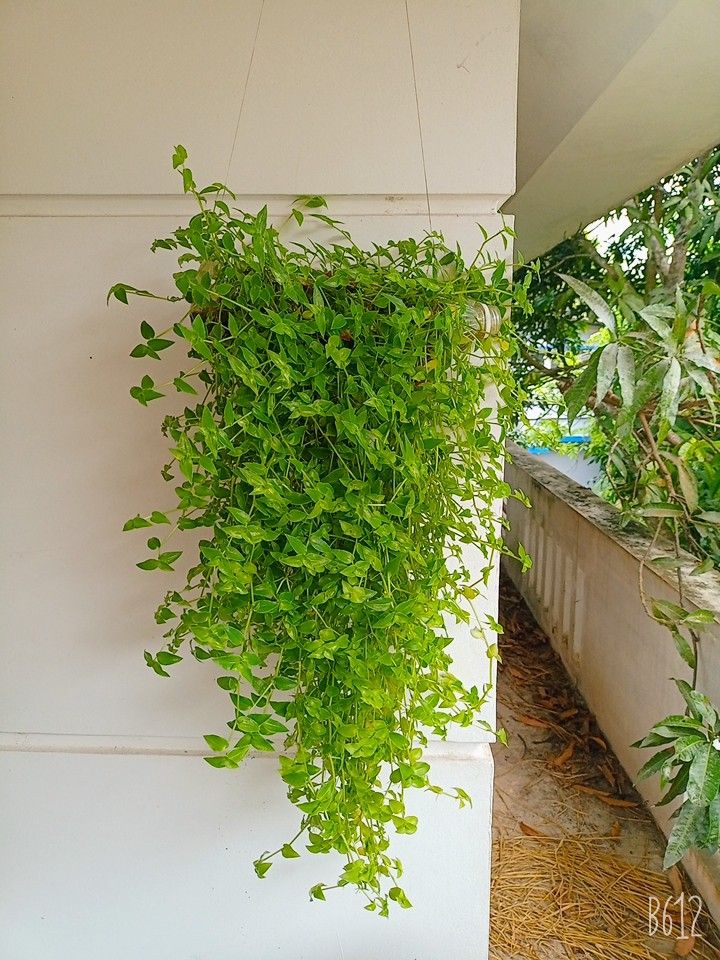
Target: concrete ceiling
[{"x": 613, "y": 94}]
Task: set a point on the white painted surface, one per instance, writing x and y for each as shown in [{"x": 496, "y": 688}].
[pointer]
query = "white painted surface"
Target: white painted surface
[
  {"x": 276, "y": 96},
  {"x": 117, "y": 840},
  {"x": 97, "y": 92},
  {"x": 614, "y": 95},
  {"x": 150, "y": 857},
  {"x": 583, "y": 591}
]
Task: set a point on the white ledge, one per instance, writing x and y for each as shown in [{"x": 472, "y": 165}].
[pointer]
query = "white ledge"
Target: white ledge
[
  {"x": 703, "y": 590},
  {"x": 174, "y": 205},
  {"x": 182, "y": 746}
]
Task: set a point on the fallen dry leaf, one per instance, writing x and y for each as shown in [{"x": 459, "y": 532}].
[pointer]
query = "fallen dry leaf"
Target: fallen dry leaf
[
  {"x": 518, "y": 673},
  {"x": 684, "y": 946},
  {"x": 605, "y": 797},
  {"x": 566, "y": 714},
  {"x": 607, "y": 772},
  {"x": 532, "y": 721},
  {"x": 619, "y": 802},
  {"x": 593, "y": 791},
  {"x": 675, "y": 880},
  {"x": 615, "y": 829},
  {"x": 530, "y": 831},
  {"x": 563, "y": 757}
]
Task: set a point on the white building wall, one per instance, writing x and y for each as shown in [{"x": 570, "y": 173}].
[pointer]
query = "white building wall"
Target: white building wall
[{"x": 116, "y": 839}]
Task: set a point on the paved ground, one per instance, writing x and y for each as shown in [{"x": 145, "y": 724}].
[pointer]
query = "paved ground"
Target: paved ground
[{"x": 564, "y": 806}]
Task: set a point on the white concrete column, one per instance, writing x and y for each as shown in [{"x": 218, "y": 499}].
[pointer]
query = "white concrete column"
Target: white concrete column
[{"x": 117, "y": 841}]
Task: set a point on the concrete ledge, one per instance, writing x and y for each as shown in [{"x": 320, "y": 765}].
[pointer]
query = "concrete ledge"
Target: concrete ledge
[{"x": 583, "y": 591}]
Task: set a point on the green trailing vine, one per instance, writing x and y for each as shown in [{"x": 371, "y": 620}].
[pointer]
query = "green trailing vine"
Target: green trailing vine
[{"x": 337, "y": 452}]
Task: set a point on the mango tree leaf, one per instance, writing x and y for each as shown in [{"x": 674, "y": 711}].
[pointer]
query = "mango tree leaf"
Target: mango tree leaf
[
  {"x": 576, "y": 397},
  {"x": 593, "y": 299},
  {"x": 606, "y": 369},
  {"x": 704, "y": 778},
  {"x": 660, "y": 510},
  {"x": 626, "y": 373},
  {"x": 670, "y": 396},
  {"x": 698, "y": 704},
  {"x": 651, "y": 316},
  {"x": 684, "y": 649},
  {"x": 688, "y": 485},
  {"x": 655, "y": 763},
  {"x": 685, "y": 832},
  {"x": 711, "y": 840}
]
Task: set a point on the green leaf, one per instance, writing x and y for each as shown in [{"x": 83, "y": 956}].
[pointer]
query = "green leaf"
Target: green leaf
[
  {"x": 119, "y": 291},
  {"x": 158, "y": 343},
  {"x": 398, "y": 895},
  {"x": 606, "y": 369},
  {"x": 312, "y": 202},
  {"x": 711, "y": 839},
  {"x": 136, "y": 523},
  {"x": 167, "y": 659},
  {"x": 684, "y": 833},
  {"x": 684, "y": 649},
  {"x": 154, "y": 665},
  {"x": 577, "y": 395},
  {"x": 593, "y": 299},
  {"x": 179, "y": 156},
  {"x": 704, "y": 777},
  {"x": 667, "y": 611},
  {"x": 216, "y": 743},
  {"x": 688, "y": 486},
  {"x": 655, "y": 764},
  {"x": 651, "y": 315},
  {"x": 661, "y": 510},
  {"x": 288, "y": 852},
  {"x": 677, "y": 787},
  {"x": 698, "y": 704},
  {"x": 626, "y": 373},
  {"x": 183, "y": 386},
  {"x": 670, "y": 396}
]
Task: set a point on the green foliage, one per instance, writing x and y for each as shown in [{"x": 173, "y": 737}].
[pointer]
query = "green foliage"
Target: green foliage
[
  {"x": 688, "y": 763},
  {"x": 338, "y": 455},
  {"x": 648, "y": 309}
]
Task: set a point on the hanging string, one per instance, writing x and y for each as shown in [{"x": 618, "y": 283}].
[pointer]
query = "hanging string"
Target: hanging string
[
  {"x": 244, "y": 93},
  {"x": 419, "y": 120}
]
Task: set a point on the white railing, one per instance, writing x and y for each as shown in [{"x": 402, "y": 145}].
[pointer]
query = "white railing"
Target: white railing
[{"x": 583, "y": 591}]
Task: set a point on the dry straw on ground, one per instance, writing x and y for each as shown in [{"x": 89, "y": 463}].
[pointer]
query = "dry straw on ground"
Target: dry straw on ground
[{"x": 569, "y": 897}]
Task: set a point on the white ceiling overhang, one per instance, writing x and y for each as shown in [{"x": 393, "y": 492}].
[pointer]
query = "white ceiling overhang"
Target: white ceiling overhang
[{"x": 613, "y": 94}]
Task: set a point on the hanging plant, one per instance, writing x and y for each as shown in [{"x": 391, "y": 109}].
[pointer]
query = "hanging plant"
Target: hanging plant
[{"x": 339, "y": 451}]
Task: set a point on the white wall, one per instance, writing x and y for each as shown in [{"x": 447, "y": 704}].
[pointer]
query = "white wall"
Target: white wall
[
  {"x": 583, "y": 591},
  {"x": 116, "y": 839}
]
